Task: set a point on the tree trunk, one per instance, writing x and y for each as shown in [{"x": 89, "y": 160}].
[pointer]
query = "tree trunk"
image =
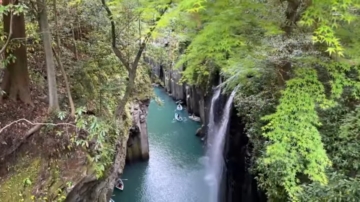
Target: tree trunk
[
  {"x": 58, "y": 59},
  {"x": 16, "y": 81},
  {"x": 49, "y": 57},
  {"x": 74, "y": 42}
]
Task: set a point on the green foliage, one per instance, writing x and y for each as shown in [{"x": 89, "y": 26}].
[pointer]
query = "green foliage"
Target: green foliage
[
  {"x": 27, "y": 182},
  {"x": 340, "y": 135},
  {"x": 343, "y": 146},
  {"x": 101, "y": 134},
  {"x": 327, "y": 16},
  {"x": 257, "y": 97},
  {"x": 17, "y": 186},
  {"x": 295, "y": 144},
  {"x": 340, "y": 189}
]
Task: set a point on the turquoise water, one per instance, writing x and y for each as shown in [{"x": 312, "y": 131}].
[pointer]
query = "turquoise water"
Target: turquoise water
[{"x": 174, "y": 172}]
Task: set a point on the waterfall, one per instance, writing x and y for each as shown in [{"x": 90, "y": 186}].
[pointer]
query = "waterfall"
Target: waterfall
[
  {"x": 211, "y": 124},
  {"x": 215, "y": 97},
  {"x": 215, "y": 147}
]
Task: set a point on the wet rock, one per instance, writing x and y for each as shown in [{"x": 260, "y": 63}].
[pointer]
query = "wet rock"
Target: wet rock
[
  {"x": 142, "y": 118},
  {"x": 200, "y": 132}
]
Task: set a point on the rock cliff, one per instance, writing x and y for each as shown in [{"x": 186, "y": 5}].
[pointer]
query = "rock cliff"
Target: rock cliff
[
  {"x": 138, "y": 142},
  {"x": 240, "y": 183}
]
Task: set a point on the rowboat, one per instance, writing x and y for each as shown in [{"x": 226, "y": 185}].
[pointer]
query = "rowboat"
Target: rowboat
[
  {"x": 179, "y": 107},
  {"x": 178, "y": 117},
  {"x": 119, "y": 184}
]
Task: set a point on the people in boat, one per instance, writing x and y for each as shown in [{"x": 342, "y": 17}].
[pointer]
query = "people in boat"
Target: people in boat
[
  {"x": 178, "y": 117},
  {"x": 119, "y": 184},
  {"x": 179, "y": 107}
]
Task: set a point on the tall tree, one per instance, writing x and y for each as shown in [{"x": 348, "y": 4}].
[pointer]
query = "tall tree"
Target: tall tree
[
  {"x": 49, "y": 57},
  {"x": 16, "y": 82}
]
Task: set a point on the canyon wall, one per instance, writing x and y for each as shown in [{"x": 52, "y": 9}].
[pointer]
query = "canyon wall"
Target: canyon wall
[
  {"x": 193, "y": 98},
  {"x": 240, "y": 183}
]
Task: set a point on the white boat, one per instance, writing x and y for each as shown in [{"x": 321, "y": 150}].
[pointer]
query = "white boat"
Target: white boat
[
  {"x": 111, "y": 200},
  {"x": 179, "y": 107},
  {"x": 194, "y": 118},
  {"x": 119, "y": 184},
  {"x": 178, "y": 117}
]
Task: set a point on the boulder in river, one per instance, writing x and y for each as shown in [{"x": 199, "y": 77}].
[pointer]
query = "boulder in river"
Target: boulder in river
[{"x": 200, "y": 132}]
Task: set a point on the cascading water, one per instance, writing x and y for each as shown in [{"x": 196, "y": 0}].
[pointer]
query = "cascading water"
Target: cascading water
[
  {"x": 215, "y": 147},
  {"x": 211, "y": 125}
]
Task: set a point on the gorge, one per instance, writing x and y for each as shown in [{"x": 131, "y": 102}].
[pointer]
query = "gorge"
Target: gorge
[
  {"x": 270, "y": 91},
  {"x": 233, "y": 185}
]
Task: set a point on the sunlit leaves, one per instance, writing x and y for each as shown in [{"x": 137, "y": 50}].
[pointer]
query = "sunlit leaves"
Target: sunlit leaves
[
  {"x": 220, "y": 39},
  {"x": 295, "y": 144},
  {"x": 326, "y": 17}
]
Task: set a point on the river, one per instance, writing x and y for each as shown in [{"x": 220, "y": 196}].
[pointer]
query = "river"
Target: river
[{"x": 174, "y": 172}]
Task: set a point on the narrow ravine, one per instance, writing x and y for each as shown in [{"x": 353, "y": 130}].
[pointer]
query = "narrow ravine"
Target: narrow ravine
[{"x": 174, "y": 172}]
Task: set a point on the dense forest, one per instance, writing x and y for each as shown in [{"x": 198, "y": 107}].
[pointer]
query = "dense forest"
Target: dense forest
[{"x": 71, "y": 69}]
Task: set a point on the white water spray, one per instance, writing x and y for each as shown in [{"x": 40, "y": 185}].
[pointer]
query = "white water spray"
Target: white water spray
[
  {"x": 215, "y": 147},
  {"x": 211, "y": 114}
]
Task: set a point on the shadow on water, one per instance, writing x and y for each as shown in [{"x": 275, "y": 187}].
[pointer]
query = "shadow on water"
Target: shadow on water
[{"x": 175, "y": 171}]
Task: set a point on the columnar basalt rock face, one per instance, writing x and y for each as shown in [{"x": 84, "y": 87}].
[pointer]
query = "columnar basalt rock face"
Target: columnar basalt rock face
[
  {"x": 193, "y": 98},
  {"x": 138, "y": 143},
  {"x": 240, "y": 183}
]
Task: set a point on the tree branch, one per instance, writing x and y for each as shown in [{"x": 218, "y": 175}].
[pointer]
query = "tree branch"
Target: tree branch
[
  {"x": 117, "y": 51},
  {"x": 35, "y": 123}
]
